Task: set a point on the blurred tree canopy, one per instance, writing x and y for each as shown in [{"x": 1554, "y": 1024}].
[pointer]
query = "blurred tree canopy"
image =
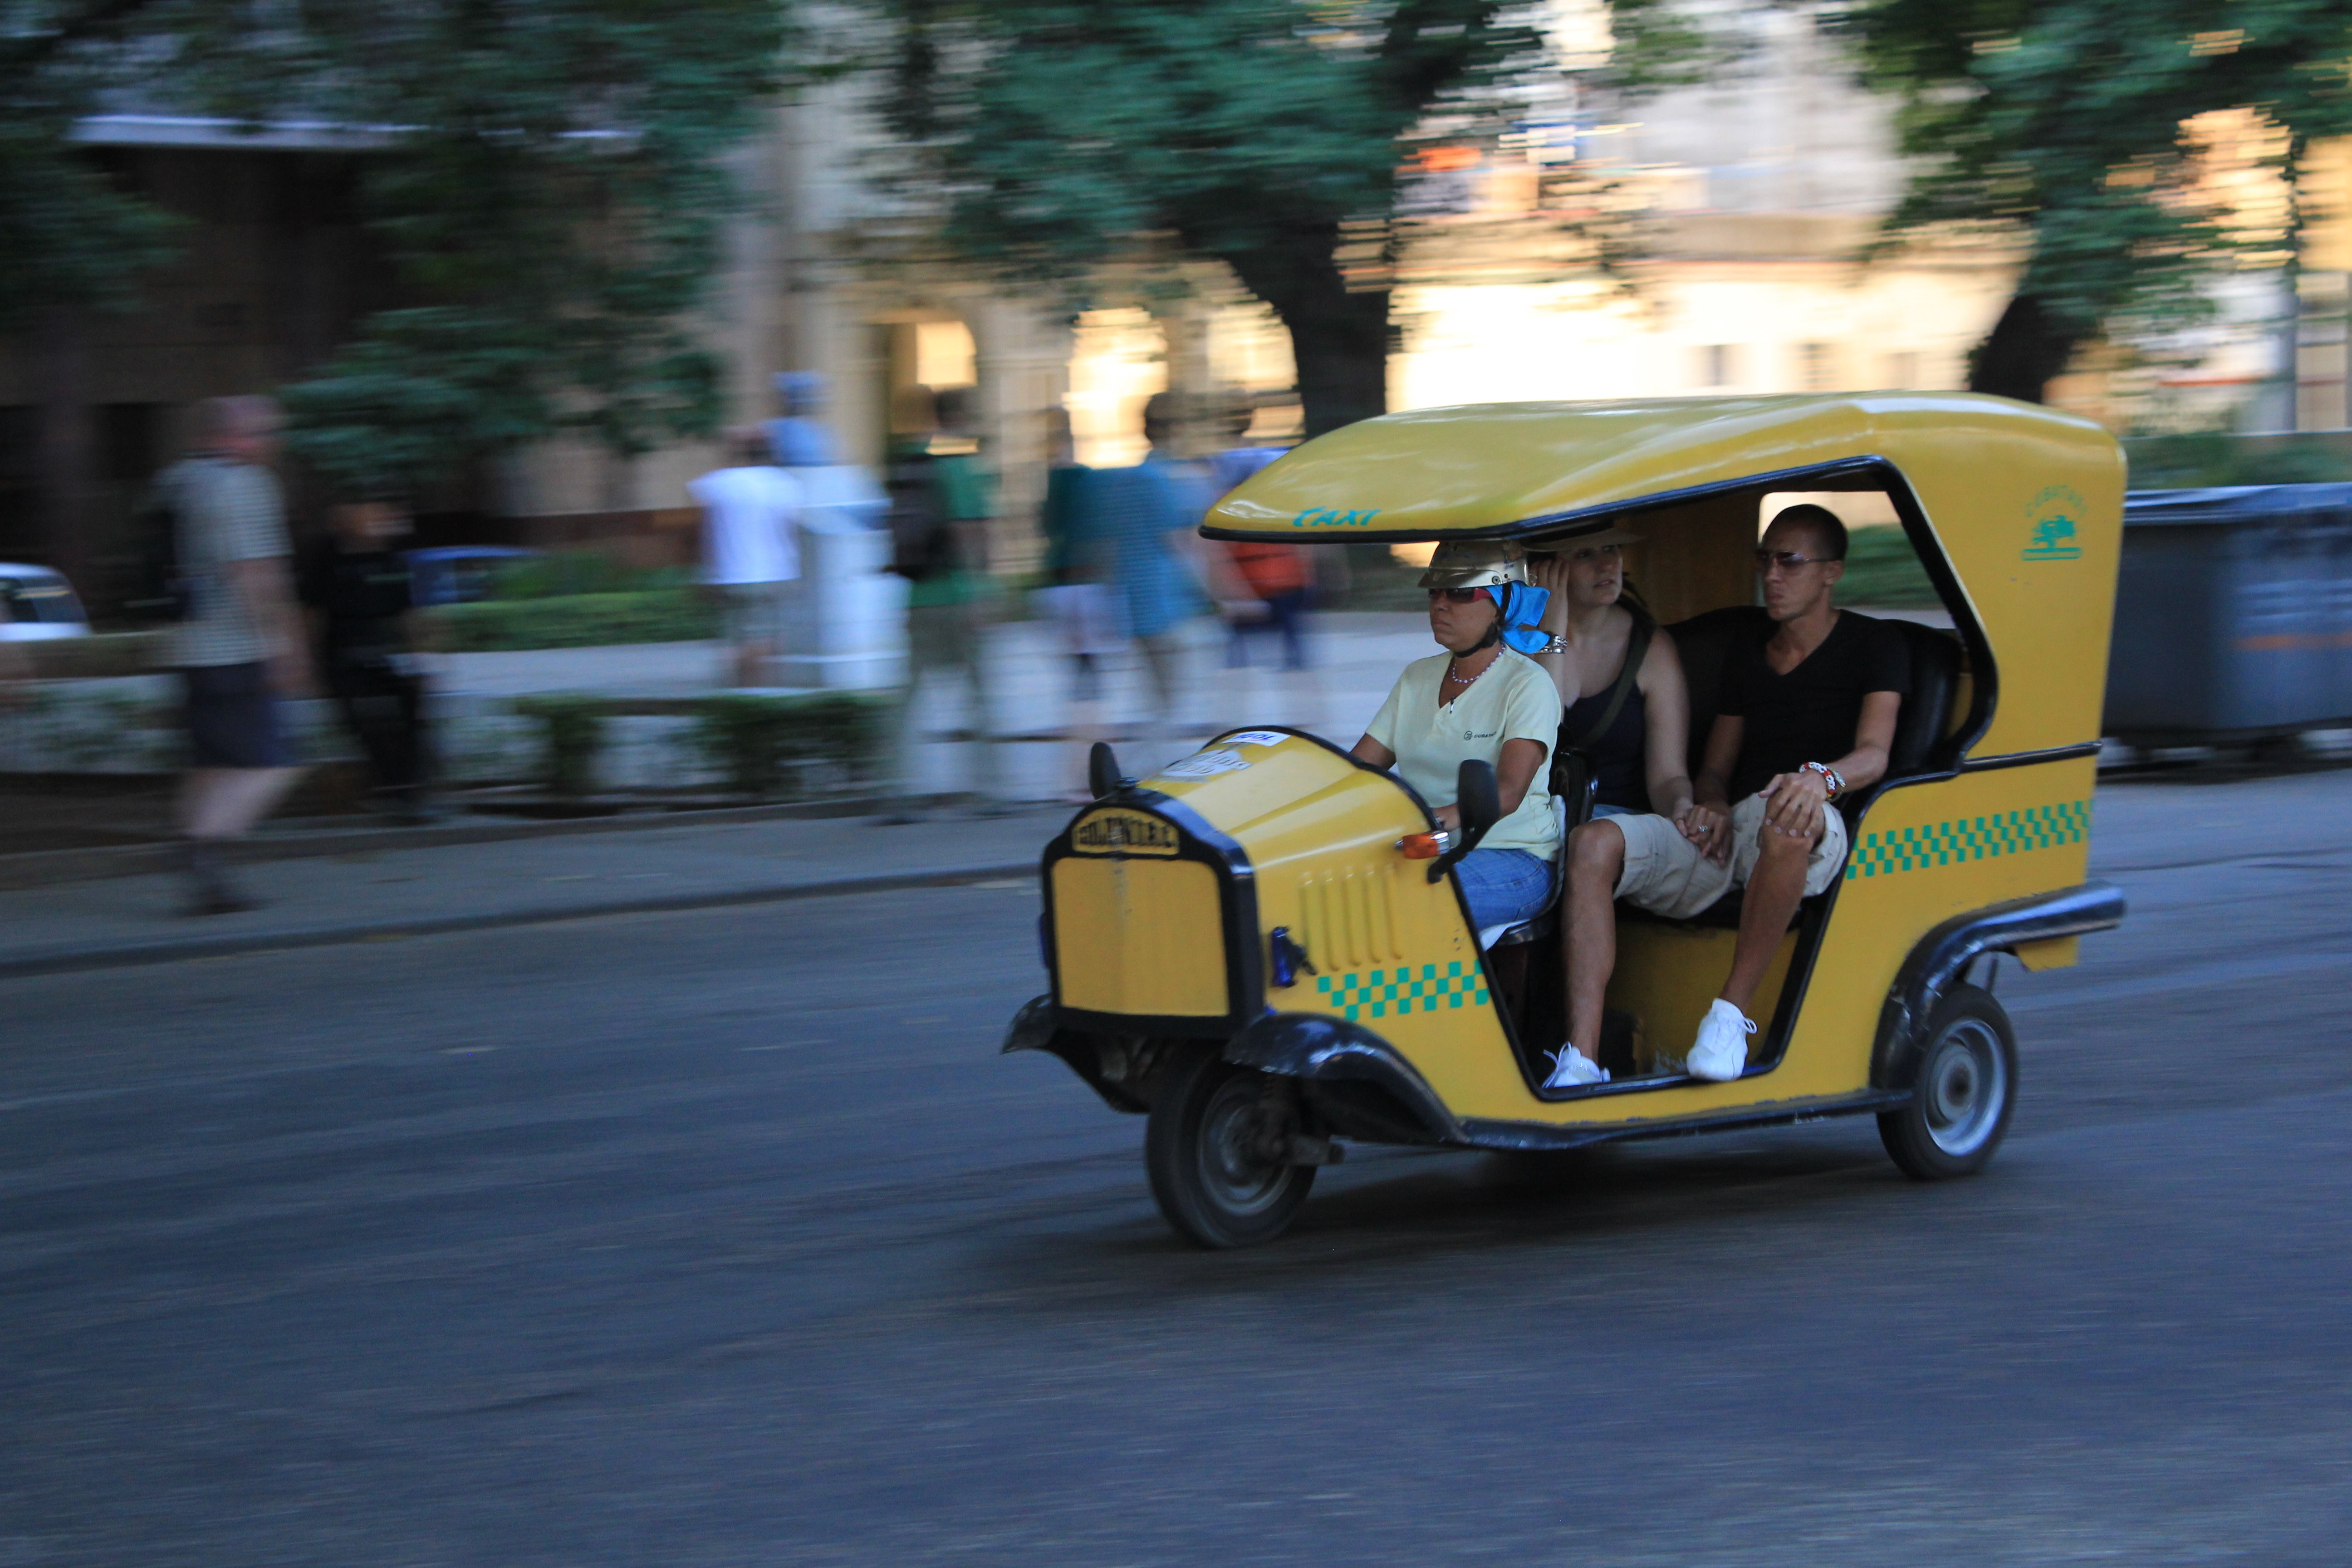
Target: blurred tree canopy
[
  {"x": 545, "y": 176},
  {"x": 2064, "y": 121},
  {"x": 1264, "y": 133},
  {"x": 70, "y": 239}
]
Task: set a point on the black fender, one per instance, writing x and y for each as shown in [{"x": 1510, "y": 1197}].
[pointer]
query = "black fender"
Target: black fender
[
  {"x": 1357, "y": 1084},
  {"x": 1121, "y": 1083},
  {"x": 1945, "y": 953}
]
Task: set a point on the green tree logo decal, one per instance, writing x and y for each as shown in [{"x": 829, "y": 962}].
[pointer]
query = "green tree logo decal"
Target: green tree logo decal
[{"x": 2054, "y": 528}]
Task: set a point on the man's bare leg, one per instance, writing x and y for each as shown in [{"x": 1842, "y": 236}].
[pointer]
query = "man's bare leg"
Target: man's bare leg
[
  {"x": 225, "y": 803},
  {"x": 1775, "y": 888},
  {"x": 1596, "y": 860}
]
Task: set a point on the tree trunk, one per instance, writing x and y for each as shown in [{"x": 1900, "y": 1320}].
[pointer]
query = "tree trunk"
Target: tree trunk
[
  {"x": 2026, "y": 350},
  {"x": 1339, "y": 338}
]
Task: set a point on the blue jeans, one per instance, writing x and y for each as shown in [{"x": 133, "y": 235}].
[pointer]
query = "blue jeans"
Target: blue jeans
[{"x": 1504, "y": 887}]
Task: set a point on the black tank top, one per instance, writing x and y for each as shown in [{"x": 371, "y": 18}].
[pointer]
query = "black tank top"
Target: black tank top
[{"x": 1618, "y": 773}]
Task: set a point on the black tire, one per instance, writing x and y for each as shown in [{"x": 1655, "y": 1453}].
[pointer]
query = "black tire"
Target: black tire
[
  {"x": 1214, "y": 1177},
  {"x": 1965, "y": 1091}
]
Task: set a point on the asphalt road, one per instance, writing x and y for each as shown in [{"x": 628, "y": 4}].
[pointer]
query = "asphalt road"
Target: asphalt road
[{"x": 724, "y": 1238}]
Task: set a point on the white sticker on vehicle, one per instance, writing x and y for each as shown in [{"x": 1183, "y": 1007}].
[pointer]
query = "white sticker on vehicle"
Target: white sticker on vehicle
[
  {"x": 1257, "y": 738},
  {"x": 1207, "y": 764}
]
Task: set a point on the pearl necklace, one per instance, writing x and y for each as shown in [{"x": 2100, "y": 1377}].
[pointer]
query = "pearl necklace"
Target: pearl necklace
[{"x": 1466, "y": 682}]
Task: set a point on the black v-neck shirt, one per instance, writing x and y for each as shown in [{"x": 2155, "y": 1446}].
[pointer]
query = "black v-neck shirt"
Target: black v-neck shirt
[{"x": 1809, "y": 714}]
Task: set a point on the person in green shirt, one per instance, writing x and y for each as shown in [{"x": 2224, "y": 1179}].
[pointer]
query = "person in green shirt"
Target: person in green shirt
[{"x": 941, "y": 502}]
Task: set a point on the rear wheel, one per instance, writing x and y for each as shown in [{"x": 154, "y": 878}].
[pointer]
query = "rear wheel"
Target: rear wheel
[
  {"x": 1218, "y": 1150},
  {"x": 1968, "y": 1085}
]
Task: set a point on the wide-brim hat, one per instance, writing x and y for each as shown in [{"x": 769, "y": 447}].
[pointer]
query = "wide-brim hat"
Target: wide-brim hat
[
  {"x": 1562, "y": 544},
  {"x": 1477, "y": 563}
]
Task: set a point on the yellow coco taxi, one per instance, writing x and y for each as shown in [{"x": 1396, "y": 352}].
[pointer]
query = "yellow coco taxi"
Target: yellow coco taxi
[{"x": 1243, "y": 947}]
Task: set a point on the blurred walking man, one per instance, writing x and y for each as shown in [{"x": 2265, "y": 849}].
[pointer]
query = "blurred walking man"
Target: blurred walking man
[
  {"x": 1162, "y": 574},
  {"x": 240, "y": 648},
  {"x": 941, "y": 503},
  {"x": 748, "y": 550}
]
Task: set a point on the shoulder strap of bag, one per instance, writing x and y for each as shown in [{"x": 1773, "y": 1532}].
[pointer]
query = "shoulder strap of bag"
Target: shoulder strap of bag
[{"x": 1637, "y": 647}]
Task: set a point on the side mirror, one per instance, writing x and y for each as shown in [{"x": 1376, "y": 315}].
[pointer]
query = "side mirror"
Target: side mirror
[
  {"x": 1103, "y": 777},
  {"x": 1479, "y": 803}
]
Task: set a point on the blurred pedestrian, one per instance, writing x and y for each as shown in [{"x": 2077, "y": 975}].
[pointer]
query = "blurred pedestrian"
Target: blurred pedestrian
[
  {"x": 941, "y": 503},
  {"x": 362, "y": 607},
  {"x": 1277, "y": 580},
  {"x": 1163, "y": 578},
  {"x": 801, "y": 439},
  {"x": 749, "y": 552},
  {"x": 1076, "y": 597},
  {"x": 240, "y": 648}
]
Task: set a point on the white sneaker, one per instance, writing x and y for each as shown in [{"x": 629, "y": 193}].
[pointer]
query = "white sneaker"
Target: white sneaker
[
  {"x": 1571, "y": 1068},
  {"x": 1721, "y": 1052}
]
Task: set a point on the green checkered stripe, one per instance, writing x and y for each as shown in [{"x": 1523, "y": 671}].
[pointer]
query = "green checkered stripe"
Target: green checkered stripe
[
  {"x": 1400, "y": 991},
  {"x": 1971, "y": 838}
]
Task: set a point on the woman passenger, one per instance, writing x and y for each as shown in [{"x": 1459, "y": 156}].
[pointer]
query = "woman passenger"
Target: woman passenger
[
  {"x": 1637, "y": 764},
  {"x": 1479, "y": 700}
]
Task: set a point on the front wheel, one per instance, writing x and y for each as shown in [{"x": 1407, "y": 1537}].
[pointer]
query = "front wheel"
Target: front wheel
[
  {"x": 1968, "y": 1085},
  {"x": 1218, "y": 1150}
]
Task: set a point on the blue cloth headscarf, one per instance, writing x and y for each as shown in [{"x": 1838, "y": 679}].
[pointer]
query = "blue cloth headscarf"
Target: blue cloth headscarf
[{"x": 1522, "y": 607}]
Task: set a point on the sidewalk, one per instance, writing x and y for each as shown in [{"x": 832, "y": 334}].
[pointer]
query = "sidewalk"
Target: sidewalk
[{"x": 392, "y": 891}]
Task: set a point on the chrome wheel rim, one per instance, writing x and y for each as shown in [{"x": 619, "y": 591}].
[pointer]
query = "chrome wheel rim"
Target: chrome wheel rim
[
  {"x": 1235, "y": 1167},
  {"x": 1967, "y": 1084}
]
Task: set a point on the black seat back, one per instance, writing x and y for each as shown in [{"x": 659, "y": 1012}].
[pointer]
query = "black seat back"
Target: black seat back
[
  {"x": 1705, "y": 640},
  {"x": 1927, "y": 714}
]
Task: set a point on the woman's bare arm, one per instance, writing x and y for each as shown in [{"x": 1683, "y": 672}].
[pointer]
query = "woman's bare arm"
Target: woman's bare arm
[{"x": 1665, "y": 699}]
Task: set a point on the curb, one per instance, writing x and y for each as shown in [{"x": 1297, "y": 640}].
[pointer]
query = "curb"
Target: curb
[
  {"x": 46, "y": 868},
  {"x": 134, "y": 955}
]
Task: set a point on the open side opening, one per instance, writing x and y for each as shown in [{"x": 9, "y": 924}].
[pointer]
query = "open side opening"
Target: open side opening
[{"x": 1694, "y": 572}]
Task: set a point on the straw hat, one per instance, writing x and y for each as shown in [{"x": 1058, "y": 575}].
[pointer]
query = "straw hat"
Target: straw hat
[{"x": 1568, "y": 543}]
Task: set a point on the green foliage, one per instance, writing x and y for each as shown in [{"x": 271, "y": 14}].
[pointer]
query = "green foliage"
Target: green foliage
[
  {"x": 72, "y": 239},
  {"x": 564, "y": 573},
  {"x": 2063, "y": 120},
  {"x": 2191, "y": 460},
  {"x": 549, "y": 190},
  {"x": 1883, "y": 570},
  {"x": 1061, "y": 133},
  {"x": 556, "y": 208},
  {"x": 577, "y": 620},
  {"x": 768, "y": 746},
  {"x": 571, "y": 738}
]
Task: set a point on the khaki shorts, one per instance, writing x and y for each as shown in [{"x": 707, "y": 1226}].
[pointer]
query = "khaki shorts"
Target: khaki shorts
[{"x": 1666, "y": 874}]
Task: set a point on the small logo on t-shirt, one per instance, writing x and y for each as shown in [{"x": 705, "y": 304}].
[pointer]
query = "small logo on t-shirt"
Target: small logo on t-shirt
[{"x": 1480, "y": 735}]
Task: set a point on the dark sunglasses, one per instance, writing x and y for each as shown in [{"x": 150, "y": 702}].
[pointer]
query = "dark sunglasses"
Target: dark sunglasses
[
  {"x": 1455, "y": 595},
  {"x": 1787, "y": 559}
]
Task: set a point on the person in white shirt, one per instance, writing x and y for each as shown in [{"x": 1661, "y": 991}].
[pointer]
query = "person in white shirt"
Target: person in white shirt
[
  {"x": 1481, "y": 700},
  {"x": 747, "y": 549}
]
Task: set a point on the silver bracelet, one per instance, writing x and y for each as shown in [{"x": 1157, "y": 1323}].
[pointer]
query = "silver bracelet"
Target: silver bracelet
[{"x": 1559, "y": 644}]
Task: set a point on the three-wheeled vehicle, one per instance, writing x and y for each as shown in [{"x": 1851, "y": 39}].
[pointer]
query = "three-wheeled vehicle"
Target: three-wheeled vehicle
[{"x": 1243, "y": 948}]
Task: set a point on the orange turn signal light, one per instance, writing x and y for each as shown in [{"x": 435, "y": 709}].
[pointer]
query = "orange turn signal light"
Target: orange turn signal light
[{"x": 1422, "y": 846}]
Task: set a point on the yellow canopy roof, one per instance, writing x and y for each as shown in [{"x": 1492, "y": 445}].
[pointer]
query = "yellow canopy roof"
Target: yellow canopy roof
[
  {"x": 1529, "y": 468},
  {"x": 2023, "y": 504}
]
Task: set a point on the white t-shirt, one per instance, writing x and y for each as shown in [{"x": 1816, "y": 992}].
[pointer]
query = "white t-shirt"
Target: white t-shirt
[
  {"x": 1513, "y": 701},
  {"x": 746, "y": 526}
]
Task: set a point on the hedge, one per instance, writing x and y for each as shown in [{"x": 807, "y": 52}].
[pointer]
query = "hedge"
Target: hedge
[{"x": 576, "y": 620}]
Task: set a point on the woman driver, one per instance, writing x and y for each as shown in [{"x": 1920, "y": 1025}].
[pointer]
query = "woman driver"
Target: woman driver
[
  {"x": 1480, "y": 700},
  {"x": 1637, "y": 761}
]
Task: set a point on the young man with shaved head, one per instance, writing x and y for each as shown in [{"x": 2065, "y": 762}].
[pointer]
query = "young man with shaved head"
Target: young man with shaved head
[{"x": 1806, "y": 715}]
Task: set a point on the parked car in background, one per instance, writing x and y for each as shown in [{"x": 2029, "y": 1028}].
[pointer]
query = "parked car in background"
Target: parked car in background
[
  {"x": 40, "y": 605},
  {"x": 460, "y": 573}
]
